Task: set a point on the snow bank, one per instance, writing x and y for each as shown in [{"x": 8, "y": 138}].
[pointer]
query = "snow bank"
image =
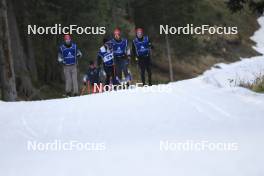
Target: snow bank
[{"x": 245, "y": 71}]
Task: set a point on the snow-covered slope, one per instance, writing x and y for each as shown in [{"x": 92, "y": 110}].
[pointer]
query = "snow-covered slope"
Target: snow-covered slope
[{"x": 132, "y": 124}]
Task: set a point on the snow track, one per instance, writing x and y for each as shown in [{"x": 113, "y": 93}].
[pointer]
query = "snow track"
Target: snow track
[{"x": 132, "y": 124}]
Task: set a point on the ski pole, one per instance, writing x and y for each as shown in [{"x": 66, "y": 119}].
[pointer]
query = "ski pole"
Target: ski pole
[
  {"x": 88, "y": 87},
  {"x": 114, "y": 70},
  {"x": 83, "y": 89}
]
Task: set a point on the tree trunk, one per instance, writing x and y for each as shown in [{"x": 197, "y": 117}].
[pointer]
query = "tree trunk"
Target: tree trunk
[
  {"x": 167, "y": 41},
  {"x": 7, "y": 74},
  {"x": 169, "y": 57},
  {"x": 24, "y": 84}
]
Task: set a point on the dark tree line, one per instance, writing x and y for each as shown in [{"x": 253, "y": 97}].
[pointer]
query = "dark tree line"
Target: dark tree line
[
  {"x": 28, "y": 64},
  {"x": 7, "y": 74},
  {"x": 254, "y": 5}
]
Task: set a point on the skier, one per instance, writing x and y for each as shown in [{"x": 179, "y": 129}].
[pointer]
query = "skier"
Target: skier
[
  {"x": 122, "y": 55},
  {"x": 91, "y": 78},
  {"x": 67, "y": 55},
  {"x": 105, "y": 57},
  {"x": 141, "y": 50}
]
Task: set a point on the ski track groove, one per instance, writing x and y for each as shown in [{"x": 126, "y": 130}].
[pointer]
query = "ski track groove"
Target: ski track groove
[
  {"x": 199, "y": 109},
  {"x": 30, "y": 130},
  {"x": 61, "y": 126},
  {"x": 207, "y": 102}
]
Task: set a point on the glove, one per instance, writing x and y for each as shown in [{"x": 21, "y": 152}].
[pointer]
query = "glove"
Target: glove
[
  {"x": 79, "y": 54},
  {"x": 85, "y": 78},
  {"x": 60, "y": 60}
]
